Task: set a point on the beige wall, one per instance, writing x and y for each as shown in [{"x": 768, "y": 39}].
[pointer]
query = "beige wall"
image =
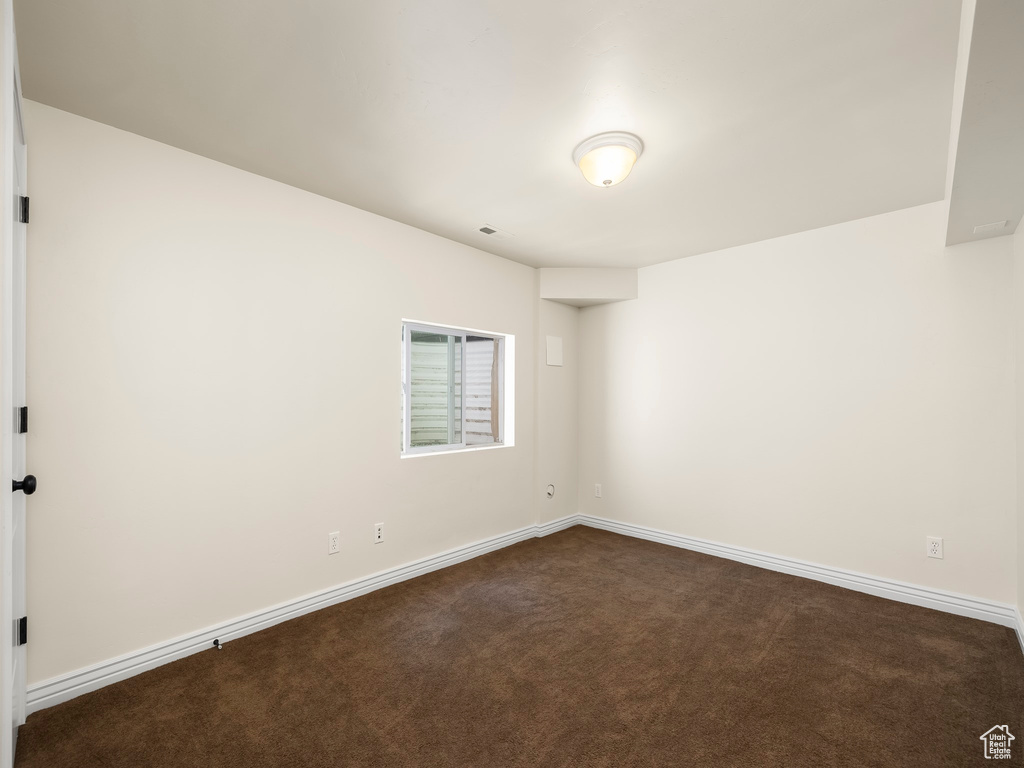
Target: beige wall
[
  {"x": 215, "y": 385},
  {"x": 834, "y": 396},
  {"x": 557, "y": 417}
]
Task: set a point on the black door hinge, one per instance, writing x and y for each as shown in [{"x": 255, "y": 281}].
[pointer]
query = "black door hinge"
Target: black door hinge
[
  {"x": 23, "y": 209},
  {"x": 22, "y": 631},
  {"x": 23, "y": 420}
]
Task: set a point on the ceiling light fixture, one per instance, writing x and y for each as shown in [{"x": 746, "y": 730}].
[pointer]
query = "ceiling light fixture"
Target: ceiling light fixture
[{"x": 606, "y": 159}]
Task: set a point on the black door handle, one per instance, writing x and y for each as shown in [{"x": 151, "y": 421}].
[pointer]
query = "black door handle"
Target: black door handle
[{"x": 28, "y": 485}]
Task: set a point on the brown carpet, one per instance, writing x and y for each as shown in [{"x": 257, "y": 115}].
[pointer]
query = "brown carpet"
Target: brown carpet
[{"x": 584, "y": 648}]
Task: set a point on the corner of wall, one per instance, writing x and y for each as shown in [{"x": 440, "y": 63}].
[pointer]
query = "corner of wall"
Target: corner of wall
[
  {"x": 557, "y": 459},
  {"x": 1018, "y": 350}
]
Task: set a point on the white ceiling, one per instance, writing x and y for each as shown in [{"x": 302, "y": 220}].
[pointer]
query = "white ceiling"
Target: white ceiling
[{"x": 759, "y": 118}]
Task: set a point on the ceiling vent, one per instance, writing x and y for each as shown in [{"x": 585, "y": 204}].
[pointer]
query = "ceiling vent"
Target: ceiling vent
[
  {"x": 494, "y": 233},
  {"x": 993, "y": 227}
]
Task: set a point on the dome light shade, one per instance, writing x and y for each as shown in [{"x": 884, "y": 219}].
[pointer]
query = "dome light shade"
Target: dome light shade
[{"x": 606, "y": 159}]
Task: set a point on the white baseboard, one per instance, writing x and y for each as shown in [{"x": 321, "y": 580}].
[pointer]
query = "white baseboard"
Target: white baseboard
[
  {"x": 68, "y": 686},
  {"x": 64, "y": 687},
  {"x": 545, "y": 529},
  {"x": 1020, "y": 626},
  {"x": 940, "y": 600}
]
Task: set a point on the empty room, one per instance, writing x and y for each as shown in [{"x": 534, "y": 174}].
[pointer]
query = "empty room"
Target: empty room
[{"x": 472, "y": 384}]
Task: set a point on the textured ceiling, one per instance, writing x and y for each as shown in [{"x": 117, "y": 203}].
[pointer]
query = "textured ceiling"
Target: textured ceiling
[{"x": 759, "y": 119}]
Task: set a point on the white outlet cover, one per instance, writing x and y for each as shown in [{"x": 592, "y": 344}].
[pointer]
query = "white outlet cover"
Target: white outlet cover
[
  {"x": 333, "y": 542},
  {"x": 597, "y": 490},
  {"x": 933, "y": 547}
]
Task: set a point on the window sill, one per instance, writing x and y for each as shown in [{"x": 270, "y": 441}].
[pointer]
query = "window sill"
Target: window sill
[{"x": 468, "y": 449}]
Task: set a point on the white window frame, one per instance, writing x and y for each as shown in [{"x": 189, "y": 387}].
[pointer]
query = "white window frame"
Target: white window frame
[{"x": 506, "y": 389}]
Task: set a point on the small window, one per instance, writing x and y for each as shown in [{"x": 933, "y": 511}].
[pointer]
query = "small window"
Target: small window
[{"x": 452, "y": 388}]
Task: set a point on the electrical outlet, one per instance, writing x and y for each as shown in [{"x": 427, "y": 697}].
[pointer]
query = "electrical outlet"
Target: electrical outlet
[
  {"x": 597, "y": 490},
  {"x": 378, "y": 533},
  {"x": 934, "y": 547},
  {"x": 333, "y": 543}
]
